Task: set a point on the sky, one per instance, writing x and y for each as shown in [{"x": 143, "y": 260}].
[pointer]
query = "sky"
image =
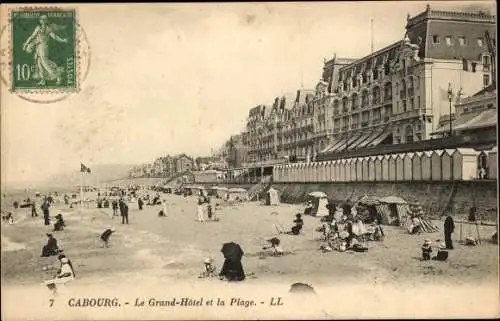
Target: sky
[{"x": 172, "y": 78}]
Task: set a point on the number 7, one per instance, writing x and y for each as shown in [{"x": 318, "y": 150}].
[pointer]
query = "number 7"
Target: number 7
[{"x": 51, "y": 302}]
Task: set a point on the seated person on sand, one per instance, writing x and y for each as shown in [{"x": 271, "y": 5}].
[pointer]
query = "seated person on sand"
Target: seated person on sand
[
  {"x": 442, "y": 254},
  {"x": 60, "y": 224},
  {"x": 426, "y": 250},
  {"x": 64, "y": 275},
  {"x": 51, "y": 247},
  {"x": 415, "y": 226},
  {"x": 210, "y": 269},
  {"x": 299, "y": 223},
  {"x": 9, "y": 218},
  {"x": 274, "y": 246},
  {"x": 358, "y": 228},
  {"x": 378, "y": 234}
]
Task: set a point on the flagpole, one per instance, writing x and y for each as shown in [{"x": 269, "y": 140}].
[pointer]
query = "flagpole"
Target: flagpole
[{"x": 81, "y": 190}]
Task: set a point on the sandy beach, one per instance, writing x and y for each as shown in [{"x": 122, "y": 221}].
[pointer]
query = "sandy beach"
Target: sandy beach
[{"x": 166, "y": 253}]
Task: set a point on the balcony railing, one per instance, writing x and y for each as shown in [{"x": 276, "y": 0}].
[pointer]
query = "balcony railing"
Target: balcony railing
[
  {"x": 354, "y": 126},
  {"x": 412, "y": 113},
  {"x": 345, "y": 128},
  {"x": 336, "y": 130},
  {"x": 364, "y": 124}
]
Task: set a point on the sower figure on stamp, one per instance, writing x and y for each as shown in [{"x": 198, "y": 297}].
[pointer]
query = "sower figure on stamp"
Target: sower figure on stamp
[{"x": 38, "y": 43}]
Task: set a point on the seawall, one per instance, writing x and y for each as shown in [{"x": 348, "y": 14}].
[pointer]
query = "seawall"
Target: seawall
[{"x": 432, "y": 195}]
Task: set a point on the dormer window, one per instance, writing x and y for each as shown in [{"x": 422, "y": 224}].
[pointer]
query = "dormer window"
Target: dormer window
[
  {"x": 449, "y": 41},
  {"x": 435, "y": 39},
  {"x": 480, "y": 42},
  {"x": 461, "y": 41}
]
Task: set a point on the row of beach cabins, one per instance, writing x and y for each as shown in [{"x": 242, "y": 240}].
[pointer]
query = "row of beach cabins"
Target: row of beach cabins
[{"x": 435, "y": 165}]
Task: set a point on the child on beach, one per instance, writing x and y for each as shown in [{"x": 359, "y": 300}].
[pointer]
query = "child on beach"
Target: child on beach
[
  {"x": 210, "y": 269},
  {"x": 426, "y": 250}
]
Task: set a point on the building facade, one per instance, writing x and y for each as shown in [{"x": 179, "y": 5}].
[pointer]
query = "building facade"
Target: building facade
[
  {"x": 183, "y": 163},
  {"x": 398, "y": 94}
]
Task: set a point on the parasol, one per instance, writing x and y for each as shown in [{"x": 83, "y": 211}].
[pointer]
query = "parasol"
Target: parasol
[
  {"x": 393, "y": 200},
  {"x": 369, "y": 200},
  {"x": 318, "y": 194},
  {"x": 232, "y": 251}
]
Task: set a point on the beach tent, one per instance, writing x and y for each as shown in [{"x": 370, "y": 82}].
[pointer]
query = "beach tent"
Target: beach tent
[
  {"x": 238, "y": 194},
  {"x": 378, "y": 167},
  {"x": 319, "y": 201},
  {"x": 447, "y": 165},
  {"x": 426, "y": 165},
  {"x": 393, "y": 210},
  {"x": 400, "y": 167},
  {"x": 392, "y": 167},
  {"x": 436, "y": 169},
  {"x": 272, "y": 197},
  {"x": 385, "y": 168},
  {"x": 371, "y": 168},
  {"x": 464, "y": 164},
  {"x": 364, "y": 168},
  {"x": 348, "y": 165}
]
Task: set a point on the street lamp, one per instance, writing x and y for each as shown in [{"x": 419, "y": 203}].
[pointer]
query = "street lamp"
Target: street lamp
[{"x": 450, "y": 97}]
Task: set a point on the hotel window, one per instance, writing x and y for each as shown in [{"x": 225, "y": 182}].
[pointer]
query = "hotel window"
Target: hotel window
[
  {"x": 461, "y": 40},
  {"x": 486, "y": 80},
  {"x": 376, "y": 95},
  {"x": 449, "y": 41},
  {"x": 412, "y": 104},
  {"x": 435, "y": 39},
  {"x": 480, "y": 42},
  {"x": 486, "y": 63}
]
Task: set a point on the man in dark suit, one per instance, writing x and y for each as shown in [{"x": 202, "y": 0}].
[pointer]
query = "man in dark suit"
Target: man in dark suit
[{"x": 124, "y": 212}]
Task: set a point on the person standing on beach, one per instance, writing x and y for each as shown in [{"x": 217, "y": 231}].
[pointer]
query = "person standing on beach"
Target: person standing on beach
[
  {"x": 140, "y": 202},
  {"x": 124, "y": 212},
  {"x": 449, "y": 227},
  {"x": 46, "y": 214},
  {"x": 33, "y": 209},
  {"x": 114, "y": 204}
]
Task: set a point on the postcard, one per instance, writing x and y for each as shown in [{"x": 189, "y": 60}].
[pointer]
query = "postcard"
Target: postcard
[{"x": 265, "y": 160}]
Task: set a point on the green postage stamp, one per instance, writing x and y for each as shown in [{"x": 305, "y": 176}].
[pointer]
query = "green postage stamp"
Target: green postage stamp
[{"x": 44, "y": 50}]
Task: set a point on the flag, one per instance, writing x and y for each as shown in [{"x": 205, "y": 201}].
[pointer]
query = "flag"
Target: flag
[{"x": 84, "y": 169}]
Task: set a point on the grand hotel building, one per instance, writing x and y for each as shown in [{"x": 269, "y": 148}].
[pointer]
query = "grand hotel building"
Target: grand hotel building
[{"x": 397, "y": 94}]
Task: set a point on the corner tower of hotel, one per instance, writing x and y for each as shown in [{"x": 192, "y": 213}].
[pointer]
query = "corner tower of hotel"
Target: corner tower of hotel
[{"x": 398, "y": 94}]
